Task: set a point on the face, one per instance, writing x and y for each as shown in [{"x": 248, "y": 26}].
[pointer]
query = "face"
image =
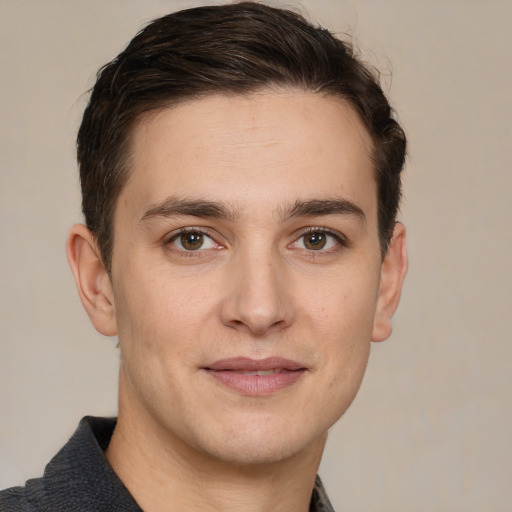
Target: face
[{"x": 246, "y": 272}]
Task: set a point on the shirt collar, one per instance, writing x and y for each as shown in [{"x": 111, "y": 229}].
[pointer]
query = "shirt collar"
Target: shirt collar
[
  {"x": 80, "y": 475},
  {"x": 319, "y": 500}
]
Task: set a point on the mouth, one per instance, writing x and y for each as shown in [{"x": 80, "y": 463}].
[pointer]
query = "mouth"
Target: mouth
[
  {"x": 262, "y": 372},
  {"x": 254, "y": 377}
]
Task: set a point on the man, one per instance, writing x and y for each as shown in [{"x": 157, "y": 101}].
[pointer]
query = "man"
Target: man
[{"x": 240, "y": 174}]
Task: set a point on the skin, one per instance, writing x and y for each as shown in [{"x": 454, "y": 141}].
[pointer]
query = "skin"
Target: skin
[{"x": 257, "y": 287}]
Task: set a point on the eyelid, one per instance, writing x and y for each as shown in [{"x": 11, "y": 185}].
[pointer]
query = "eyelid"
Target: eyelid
[
  {"x": 328, "y": 231},
  {"x": 171, "y": 237},
  {"x": 338, "y": 237}
]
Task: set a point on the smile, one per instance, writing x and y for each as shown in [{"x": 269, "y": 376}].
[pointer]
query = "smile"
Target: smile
[{"x": 256, "y": 377}]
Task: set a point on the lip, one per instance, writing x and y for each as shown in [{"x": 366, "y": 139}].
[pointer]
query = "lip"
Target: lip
[{"x": 244, "y": 375}]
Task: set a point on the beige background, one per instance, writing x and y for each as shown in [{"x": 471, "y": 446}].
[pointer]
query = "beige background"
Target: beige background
[{"x": 431, "y": 427}]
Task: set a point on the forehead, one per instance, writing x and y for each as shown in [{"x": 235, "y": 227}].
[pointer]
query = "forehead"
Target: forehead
[{"x": 271, "y": 147}]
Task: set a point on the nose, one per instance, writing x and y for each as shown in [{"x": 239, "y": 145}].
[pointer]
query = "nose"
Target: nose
[{"x": 258, "y": 295}]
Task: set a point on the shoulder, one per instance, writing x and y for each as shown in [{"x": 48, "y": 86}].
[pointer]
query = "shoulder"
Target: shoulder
[
  {"x": 78, "y": 479},
  {"x": 21, "y": 499},
  {"x": 51, "y": 492},
  {"x": 66, "y": 484}
]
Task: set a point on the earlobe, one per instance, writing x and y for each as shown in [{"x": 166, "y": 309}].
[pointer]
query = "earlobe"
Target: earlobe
[
  {"x": 91, "y": 278},
  {"x": 393, "y": 270}
]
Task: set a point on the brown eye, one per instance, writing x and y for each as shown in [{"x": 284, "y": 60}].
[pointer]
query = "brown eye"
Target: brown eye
[
  {"x": 315, "y": 241},
  {"x": 191, "y": 241},
  {"x": 319, "y": 240}
]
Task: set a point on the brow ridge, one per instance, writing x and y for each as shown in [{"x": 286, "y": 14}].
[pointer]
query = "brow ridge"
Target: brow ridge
[
  {"x": 204, "y": 208},
  {"x": 193, "y": 207},
  {"x": 319, "y": 207}
]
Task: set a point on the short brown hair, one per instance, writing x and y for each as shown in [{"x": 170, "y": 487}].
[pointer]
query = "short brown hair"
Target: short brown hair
[{"x": 236, "y": 48}]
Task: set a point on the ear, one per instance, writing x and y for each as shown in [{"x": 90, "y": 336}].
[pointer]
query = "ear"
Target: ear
[
  {"x": 92, "y": 280},
  {"x": 392, "y": 275}
]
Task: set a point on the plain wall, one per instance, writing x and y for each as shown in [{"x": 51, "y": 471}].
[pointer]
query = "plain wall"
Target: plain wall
[{"x": 431, "y": 427}]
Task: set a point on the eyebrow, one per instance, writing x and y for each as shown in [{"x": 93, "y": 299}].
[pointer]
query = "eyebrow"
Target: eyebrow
[
  {"x": 319, "y": 207},
  {"x": 212, "y": 209},
  {"x": 195, "y": 208}
]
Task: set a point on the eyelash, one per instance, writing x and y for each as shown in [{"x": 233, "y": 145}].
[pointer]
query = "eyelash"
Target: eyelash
[
  {"x": 182, "y": 252},
  {"x": 339, "y": 239}
]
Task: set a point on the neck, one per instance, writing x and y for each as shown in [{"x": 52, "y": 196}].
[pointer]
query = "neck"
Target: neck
[{"x": 163, "y": 473}]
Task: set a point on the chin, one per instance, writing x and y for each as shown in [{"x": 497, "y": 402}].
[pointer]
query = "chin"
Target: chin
[
  {"x": 255, "y": 454},
  {"x": 262, "y": 444}
]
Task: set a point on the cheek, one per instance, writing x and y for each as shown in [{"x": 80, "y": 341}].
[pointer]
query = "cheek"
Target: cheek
[
  {"x": 347, "y": 339},
  {"x": 160, "y": 316},
  {"x": 341, "y": 315},
  {"x": 347, "y": 377},
  {"x": 342, "y": 303}
]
